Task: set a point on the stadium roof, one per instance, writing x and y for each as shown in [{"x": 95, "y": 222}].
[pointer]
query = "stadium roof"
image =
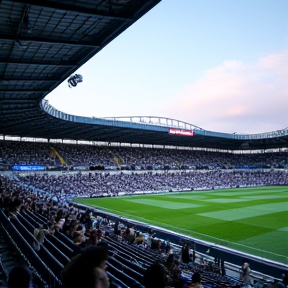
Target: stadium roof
[{"x": 43, "y": 42}]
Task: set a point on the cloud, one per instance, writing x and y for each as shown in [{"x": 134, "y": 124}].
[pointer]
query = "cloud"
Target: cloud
[{"x": 236, "y": 97}]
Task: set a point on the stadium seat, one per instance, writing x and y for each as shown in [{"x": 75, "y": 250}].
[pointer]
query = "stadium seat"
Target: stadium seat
[
  {"x": 59, "y": 255},
  {"x": 126, "y": 269},
  {"x": 35, "y": 217},
  {"x": 52, "y": 263},
  {"x": 28, "y": 252},
  {"x": 34, "y": 222},
  {"x": 68, "y": 242},
  {"x": 26, "y": 223},
  {"x": 130, "y": 264},
  {"x": 129, "y": 281},
  {"x": 60, "y": 245},
  {"x": 127, "y": 254},
  {"x": 114, "y": 281}
]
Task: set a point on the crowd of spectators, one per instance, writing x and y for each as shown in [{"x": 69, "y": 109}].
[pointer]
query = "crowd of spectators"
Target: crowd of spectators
[
  {"x": 88, "y": 233},
  {"x": 120, "y": 183},
  {"x": 33, "y": 153},
  {"x": 48, "y": 193}
]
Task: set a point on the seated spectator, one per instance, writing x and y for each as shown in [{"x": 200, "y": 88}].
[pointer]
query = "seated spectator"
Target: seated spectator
[
  {"x": 59, "y": 220},
  {"x": 139, "y": 239},
  {"x": 39, "y": 234},
  {"x": 79, "y": 237},
  {"x": 155, "y": 276},
  {"x": 195, "y": 281},
  {"x": 13, "y": 208},
  {"x": 93, "y": 239},
  {"x": 87, "y": 270}
]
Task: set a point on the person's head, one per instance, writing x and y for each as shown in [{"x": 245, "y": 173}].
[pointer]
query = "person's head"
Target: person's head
[
  {"x": 196, "y": 277},
  {"x": 19, "y": 277},
  {"x": 81, "y": 271},
  {"x": 155, "y": 276},
  {"x": 80, "y": 228},
  {"x": 170, "y": 258},
  {"x": 78, "y": 238},
  {"x": 45, "y": 226},
  {"x": 104, "y": 254},
  {"x": 245, "y": 265},
  {"x": 285, "y": 279}
]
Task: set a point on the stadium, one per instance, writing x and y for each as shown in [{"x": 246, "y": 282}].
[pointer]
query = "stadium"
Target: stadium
[{"x": 145, "y": 188}]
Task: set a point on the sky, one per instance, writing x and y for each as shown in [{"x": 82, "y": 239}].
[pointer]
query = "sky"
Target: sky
[{"x": 221, "y": 65}]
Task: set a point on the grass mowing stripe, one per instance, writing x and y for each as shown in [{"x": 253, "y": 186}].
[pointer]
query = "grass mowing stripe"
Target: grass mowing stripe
[
  {"x": 247, "y": 212},
  {"x": 243, "y": 192},
  {"x": 256, "y": 197},
  {"x": 226, "y": 200},
  {"x": 191, "y": 197},
  {"x": 165, "y": 204},
  {"x": 227, "y": 232},
  {"x": 278, "y": 238}
]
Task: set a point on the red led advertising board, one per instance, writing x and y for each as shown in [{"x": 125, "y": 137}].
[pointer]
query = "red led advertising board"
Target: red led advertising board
[{"x": 181, "y": 132}]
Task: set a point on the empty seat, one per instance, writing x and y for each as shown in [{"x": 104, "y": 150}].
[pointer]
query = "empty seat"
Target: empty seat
[
  {"x": 114, "y": 281},
  {"x": 53, "y": 264},
  {"x": 129, "y": 281},
  {"x": 126, "y": 269},
  {"x": 26, "y": 223},
  {"x": 132, "y": 265},
  {"x": 59, "y": 255},
  {"x": 67, "y": 242},
  {"x": 31, "y": 219},
  {"x": 60, "y": 245}
]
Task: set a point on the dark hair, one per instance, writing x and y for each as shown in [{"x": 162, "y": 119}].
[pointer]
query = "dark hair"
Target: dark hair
[
  {"x": 45, "y": 226},
  {"x": 170, "y": 258},
  {"x": 196, "y": 278},
  {"x": 285, "y": 279},
  {"x": 79, "y": 228},
  {"x": 19, "y": 277},
  {"x": 80, "y": 271},
  {"x": 155, "y": 276}
]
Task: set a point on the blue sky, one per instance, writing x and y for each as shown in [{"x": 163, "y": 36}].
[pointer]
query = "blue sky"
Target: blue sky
[{"x": 221, "y": 65}]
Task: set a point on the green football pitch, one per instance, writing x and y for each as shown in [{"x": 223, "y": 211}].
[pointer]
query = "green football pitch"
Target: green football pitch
[{"x": 252, "y": 220}]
